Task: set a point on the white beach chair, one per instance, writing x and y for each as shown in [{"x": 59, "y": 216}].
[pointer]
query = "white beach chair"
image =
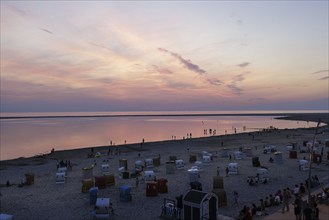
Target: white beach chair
[
  {"x": 148, "y": 163},
  {"x": 60, "y": 178},
  {"x": 206, "y": 159},
  {"x": 233, "y": 168},
  {"x": 149, "y": 176},
  {"x": 62, "y": 170},
  {"x": 193, "y": 175},
  {"x": 105, "y": 168},
  {"x": 179, "y": 164}
]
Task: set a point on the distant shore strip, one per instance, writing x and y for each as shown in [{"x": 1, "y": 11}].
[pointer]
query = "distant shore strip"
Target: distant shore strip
[{"x": 315, "y": 117}]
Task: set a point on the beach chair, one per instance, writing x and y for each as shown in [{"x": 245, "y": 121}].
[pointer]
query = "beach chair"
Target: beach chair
[
  {"x": 149, "y": 176},
  {"x": 139, "y": 166},
  {"x": 105, "y": 168},
  {"x": 148, "y": 163},
  {"x": 233, "y": 168},
  {"x": 162, "y": 185},
  {"x": 103, "y": 209},
  {"x": 29, "y": 178},
  {"x": 87, "y": 172},
  {"x": 123, "y": 163},
  {"x": 193, "y": 158},
  {"x": 263, "y": 176},
  {"x": 168, "y": 209},
  {"x": 151, "y": 189},
  {"x": 218, "y": 182},
  {"x": 238, "y": 155},
  {"x": 100, "y": 182},
  {"x": 60, "y": 178},
  {"x": 156, "y": 161},
  {"x": 222, "y": 197},
  {"x": 198, "y": 164},
  {"x": 125, "y": 193},
  {"x": 303, "y": 165},
  {"x": 206, "y": 159},
  {"x": 87, "y": 184},
  {"x": 170, "y": 167},
  {"x": 5, "y": 216},
  {"x": 193, "y": 175},
  {"x": 62, "y": 170},
  {"x": 196, "y": 185},
  {"x": 179, "y": 164},
  {"x": 172, "y": 158},
  {"x": 109, "y": 180},
  {"x": 278, "y": 157},
  {"x": 93, "y": 195}
]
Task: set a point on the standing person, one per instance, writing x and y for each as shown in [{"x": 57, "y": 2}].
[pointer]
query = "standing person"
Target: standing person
[
  {"x": 298, "y": 208},
  {"x": 236, "y": 198},
  {"x": 285, "y": 200},
  {"x": 226, "y": 170},
  {"x": 179, "y": 206},
  {"x": 217, "y": 171},
  {"x": 253, "y": 209},
  {"x": 296, "y": 190},
  {"x": 302, "y": 189},
  {"x": 315, "y": 212},
  {"x": 307, "y": 212},
  {"x": 262, "y": 206},
  {"x": 248, "y": 215}
]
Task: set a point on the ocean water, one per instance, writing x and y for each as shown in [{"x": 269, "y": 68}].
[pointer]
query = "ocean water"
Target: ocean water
[{"x": 24, "y": 137}]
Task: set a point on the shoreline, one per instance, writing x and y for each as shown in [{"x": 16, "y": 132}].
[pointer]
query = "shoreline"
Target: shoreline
[{"x": 314, "y": 117}]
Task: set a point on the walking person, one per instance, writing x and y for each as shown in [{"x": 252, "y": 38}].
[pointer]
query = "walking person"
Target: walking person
[
  {"x": 226, "y": 170},
  {"x": 217, "y": 171}
]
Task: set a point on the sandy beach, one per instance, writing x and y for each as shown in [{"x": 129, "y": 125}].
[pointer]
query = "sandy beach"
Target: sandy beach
[{"x": 47, "y": 200}]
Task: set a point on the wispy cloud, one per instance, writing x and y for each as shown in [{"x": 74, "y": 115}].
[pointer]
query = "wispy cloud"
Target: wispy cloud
[
  {"x": 215, "y": 82},
  {"x": 46, "y": 30},
  {"x": 101, "y": 46},
  {"x": 320, "y": 71},
  {"x": 17, "y": 11},
  {"x": 162, "y": 70},
  {"x": 324, "y": 78},
  {"x": 239, "y": 77},
  {"x": 187, "y": 63},
  {"x": 235, "y": 90},
  {"x": 243, "y": 64},
  {"x": 232, "y": 85}
]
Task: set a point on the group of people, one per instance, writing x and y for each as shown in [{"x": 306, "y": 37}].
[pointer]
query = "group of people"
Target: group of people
[
  {"x": 66, "y": 163},
  {"x": 307, "y": 210}
]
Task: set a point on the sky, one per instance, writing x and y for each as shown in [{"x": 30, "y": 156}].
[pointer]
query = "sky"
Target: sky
[{"x": 164, "y": 55}]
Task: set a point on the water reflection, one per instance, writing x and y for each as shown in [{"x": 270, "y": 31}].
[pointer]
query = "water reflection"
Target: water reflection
[{"x": 28, "y": 137}]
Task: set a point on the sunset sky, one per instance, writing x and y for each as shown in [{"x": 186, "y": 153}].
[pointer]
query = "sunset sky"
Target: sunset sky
[{"x": 158, "y": 55}]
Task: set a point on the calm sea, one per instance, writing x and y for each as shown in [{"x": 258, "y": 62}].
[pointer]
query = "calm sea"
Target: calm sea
[{"x": 29, "y": 136}]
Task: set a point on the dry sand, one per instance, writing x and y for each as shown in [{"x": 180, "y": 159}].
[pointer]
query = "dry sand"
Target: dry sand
[{"x": 47, "y": 200}]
